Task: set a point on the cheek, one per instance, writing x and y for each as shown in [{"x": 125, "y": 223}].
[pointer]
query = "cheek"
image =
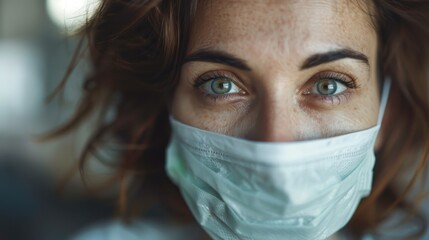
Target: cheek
[
  {"x": 363, "y": 113},
  {"x": 369, "y": 105},
  {"x": 188, "y": 108}
]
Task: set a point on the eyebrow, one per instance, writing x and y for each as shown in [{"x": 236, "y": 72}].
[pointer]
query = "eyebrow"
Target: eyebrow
[
  {"x": 215, "y": 56},
  {"x": 321, "y": 58},
  {"x": 221, "y": 57}
]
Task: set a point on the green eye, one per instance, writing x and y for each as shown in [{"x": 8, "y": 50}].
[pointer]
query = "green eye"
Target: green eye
[
  {"x": 327, "y": 86},
  {"x": 221, "y": 86}
]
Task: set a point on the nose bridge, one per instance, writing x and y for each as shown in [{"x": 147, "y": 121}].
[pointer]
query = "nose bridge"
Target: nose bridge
[{"x": 276, "y": 118}]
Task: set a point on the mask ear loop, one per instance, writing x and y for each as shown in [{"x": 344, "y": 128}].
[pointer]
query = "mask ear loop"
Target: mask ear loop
[{"x": 384, "y": 97}]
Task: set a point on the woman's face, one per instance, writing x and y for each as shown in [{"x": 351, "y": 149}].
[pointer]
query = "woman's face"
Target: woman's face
[{"x": 279, "y": 70}]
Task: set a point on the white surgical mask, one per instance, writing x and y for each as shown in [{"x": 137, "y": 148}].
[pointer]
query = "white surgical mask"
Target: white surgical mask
[{"x": 240, "y": 189}]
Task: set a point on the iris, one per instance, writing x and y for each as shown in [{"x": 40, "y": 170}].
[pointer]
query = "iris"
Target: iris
[
  {"x": 327, "y": 86},
  {"x": 221, "y": 86}
]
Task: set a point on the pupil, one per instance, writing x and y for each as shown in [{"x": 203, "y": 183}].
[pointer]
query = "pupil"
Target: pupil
[
  {"x": 327, "y": 87},
  {"x": 221, "y": 86}
]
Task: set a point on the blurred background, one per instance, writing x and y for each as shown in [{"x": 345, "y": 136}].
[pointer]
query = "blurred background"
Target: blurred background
[{"x": 35, "y": 49}]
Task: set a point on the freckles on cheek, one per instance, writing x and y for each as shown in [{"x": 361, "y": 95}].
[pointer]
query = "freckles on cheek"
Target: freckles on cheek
[
  {"x": 333, "y": 122},
  {"x": 349, "y": 120},
  {"x": 211, "y": 122},
  {"x": 219, "y": 121},
  {"x": 190, "y": 109}
]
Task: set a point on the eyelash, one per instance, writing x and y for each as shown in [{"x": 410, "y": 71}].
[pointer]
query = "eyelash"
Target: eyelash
[
  {"x": 201, "y": 80},
  {"x": 348, "y": 82},
  {"x": 211, "y": 76}
]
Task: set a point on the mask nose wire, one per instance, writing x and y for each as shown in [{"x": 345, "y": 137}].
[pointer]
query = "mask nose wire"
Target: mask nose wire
[{"x": 384, "y": 99}]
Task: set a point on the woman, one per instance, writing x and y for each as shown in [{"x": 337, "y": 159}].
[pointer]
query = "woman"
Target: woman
[{"x": 274, "y": 109}]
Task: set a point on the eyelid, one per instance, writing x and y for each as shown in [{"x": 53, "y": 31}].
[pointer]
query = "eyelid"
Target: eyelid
[
  {"x": 345, "y": 79},
  {"x": 200, "y": 79}
]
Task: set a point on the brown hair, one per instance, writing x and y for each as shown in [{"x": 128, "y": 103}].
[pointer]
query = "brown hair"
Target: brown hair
[
  {"x": 136, "y": 49},
  {"x": 403, "y": 31}
]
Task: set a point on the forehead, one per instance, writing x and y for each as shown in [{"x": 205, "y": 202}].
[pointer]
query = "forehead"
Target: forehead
[{"x": 281, "y": 25}]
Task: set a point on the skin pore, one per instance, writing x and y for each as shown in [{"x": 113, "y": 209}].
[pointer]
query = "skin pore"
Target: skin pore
[{"x": 279, "y": 71}]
